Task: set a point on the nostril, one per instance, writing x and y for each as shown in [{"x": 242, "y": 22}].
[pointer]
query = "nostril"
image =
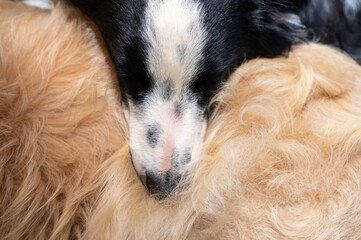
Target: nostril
[{"x": 161, "y": 185}]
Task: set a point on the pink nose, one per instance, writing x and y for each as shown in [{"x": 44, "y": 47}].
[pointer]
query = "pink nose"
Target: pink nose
[
  {"x": 165, "y": 162},
  {"x": 166, "y": 158}
]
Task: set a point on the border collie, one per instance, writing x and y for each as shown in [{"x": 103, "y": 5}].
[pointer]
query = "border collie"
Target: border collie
[{"x": 171, "y": 56}]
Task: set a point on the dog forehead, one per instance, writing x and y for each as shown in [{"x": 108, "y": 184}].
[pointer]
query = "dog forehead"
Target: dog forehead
[{"x": 175, "y": 38}]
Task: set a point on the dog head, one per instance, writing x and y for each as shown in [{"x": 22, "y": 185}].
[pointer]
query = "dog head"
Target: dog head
[{"x": 171, "y": 56}]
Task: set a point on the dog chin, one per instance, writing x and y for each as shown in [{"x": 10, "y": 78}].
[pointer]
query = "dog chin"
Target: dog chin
[{"x": 162, "y": 144}]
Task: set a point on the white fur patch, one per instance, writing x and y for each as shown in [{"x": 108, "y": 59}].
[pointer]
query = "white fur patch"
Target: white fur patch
[
  {"x": 351, "y": 7},
  {"x": 176, "y": 37},
  {"x": 293, "y": 19},
  {"x": 43, "y": 4}
]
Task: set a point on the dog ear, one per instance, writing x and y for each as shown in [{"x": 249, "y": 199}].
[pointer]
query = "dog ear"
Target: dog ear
[{"x": 274, "y": 27}]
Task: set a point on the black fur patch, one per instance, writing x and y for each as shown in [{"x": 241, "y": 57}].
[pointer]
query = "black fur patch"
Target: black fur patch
[
  {"x": 161, "y": 185},
  {"x": 332, "y": 23},
  {"x": 153, "y": 134},
  {"x": 175, "y": 157},
  {"x": 178, "y": 109},
  {"x": 119, "y": 22},
  {"x": 238, "y": 31},
  {"x": 187, "y": 156}
]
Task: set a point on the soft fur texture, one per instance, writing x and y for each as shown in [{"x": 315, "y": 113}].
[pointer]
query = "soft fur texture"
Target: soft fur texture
[
  {"x": 281, "y": 158},
  {"x": 171, "y": 57},
  {"x": 336, "y": 22}
]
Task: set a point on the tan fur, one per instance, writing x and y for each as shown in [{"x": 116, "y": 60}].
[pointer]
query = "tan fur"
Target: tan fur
[
  {"x": 281, "y": 158},
  {"x": 58, "y": 122}
]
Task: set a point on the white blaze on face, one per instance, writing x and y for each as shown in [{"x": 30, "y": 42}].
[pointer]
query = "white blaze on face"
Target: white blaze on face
[
  {"x": 175, "y": 34},
  {"x": 167, "y": 128}
]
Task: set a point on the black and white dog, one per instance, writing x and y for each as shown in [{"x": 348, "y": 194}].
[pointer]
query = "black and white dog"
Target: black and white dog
[{"x": 172, "y": 55}]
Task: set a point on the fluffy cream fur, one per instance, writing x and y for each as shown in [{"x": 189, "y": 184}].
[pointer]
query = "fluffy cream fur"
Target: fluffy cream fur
[{"x": 281, "y": 158}]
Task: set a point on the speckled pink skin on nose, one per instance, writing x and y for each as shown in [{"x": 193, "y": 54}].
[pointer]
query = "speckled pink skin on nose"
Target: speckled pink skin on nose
[{"x": 166, "y": 158}]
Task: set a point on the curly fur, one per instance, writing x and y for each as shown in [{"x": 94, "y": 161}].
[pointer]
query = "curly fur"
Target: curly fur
[
  {"x": 281, "y": 159},
  {"x": 58, "y": 122}
]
